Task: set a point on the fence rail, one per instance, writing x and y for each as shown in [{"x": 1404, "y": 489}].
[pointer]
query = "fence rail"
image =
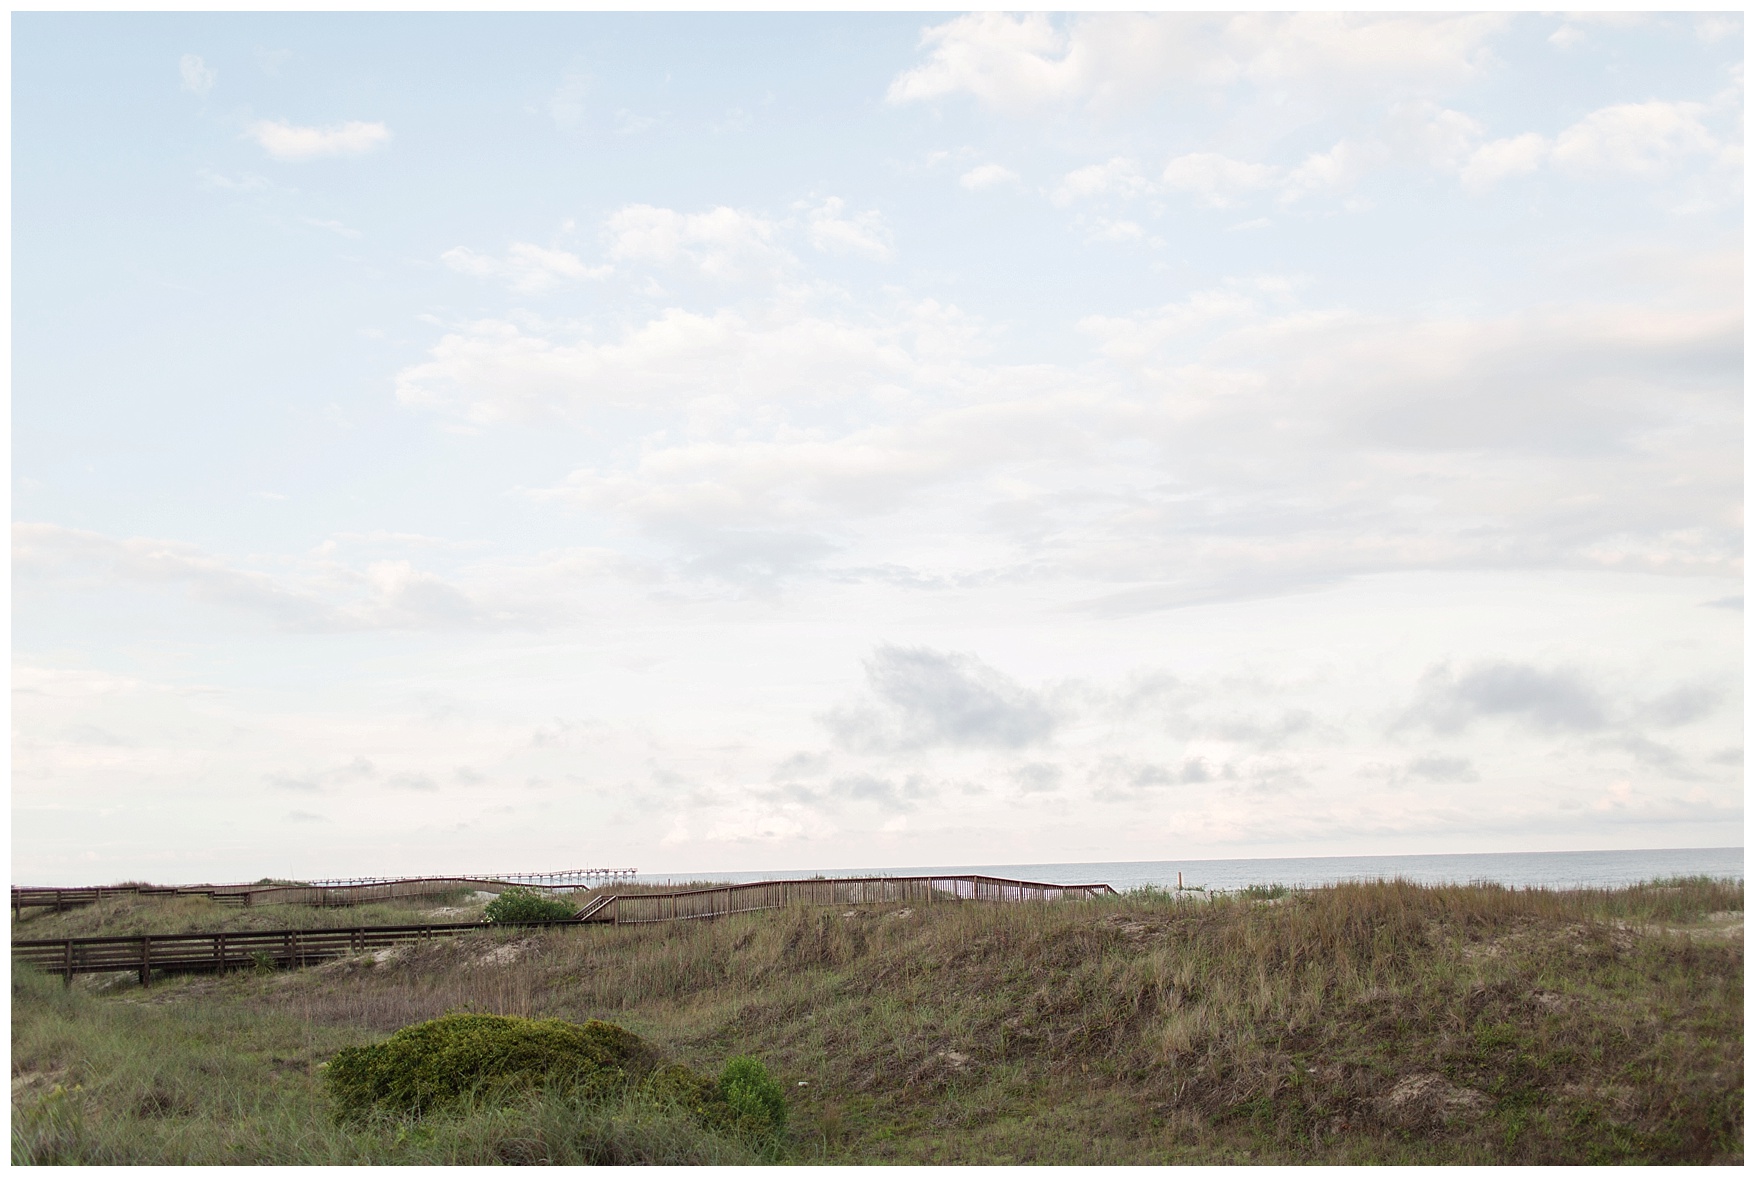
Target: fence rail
[
  {"x": 709, "y": 902},
  {"x": 214, "y": 951},
  {"x": 300, "y": 894},
  {"x": 196, "y": 951}
]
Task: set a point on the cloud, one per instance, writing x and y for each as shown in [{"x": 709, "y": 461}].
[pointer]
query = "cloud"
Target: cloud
[
  {"x": 722, "y": 243},
  {"x": 1683, "y": 705},
  {"x": 282, "y": 140},
  {"x": 1634, "y": 138},
  {"x": 926, "y": 699},
  {"x": 1215, "y": 179},
  {"x": 987, "y": 176},
  {"x": 1646, "y": 140},
  {"x": 1556, "y": 700},
  {"x": 1023, "y": 64},
  {"x": 325, "y": 780},
  {"x": 212, "y": 179},
  {"x": 198, "y": 77},
  {"x": 1119, "y": 177},
  {"x": 1442, "y": 769},
  {"x": 526, "y": 268},
  {"x": 1123, "y": 778},
  {"x": 787, "y": 351},
  {"x": 1336, "y": 170},
  {"x": 335, "y": 227},
  {"x": 328, "y": 597},
  {"x": 1544, "y": 439},
  {"x": 1038, "y": 777},
  {"x": 863, "y": 234},
  {"x": 1503, "y": 158}
]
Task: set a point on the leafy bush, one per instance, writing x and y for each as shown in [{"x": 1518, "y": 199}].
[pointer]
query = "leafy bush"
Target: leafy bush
[
  {"x": 427, "y": 1066},
  {"x": 516, "y": 905},
  {"x": 755, "y": 1098},
  {"x": 746, "y": 1100}
]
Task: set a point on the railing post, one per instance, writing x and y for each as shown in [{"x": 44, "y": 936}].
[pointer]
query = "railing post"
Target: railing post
[
  {"x": 145, "y": 961},
  {"x": 67, "y": 964}
]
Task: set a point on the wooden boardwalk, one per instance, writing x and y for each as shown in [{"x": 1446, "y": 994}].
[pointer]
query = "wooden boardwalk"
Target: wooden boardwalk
[
  {"x": 346, "y": 894},
  {"x": 218, "y": 951}
]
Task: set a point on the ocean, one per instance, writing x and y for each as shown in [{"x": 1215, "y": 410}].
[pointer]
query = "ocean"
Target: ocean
[{"x": 1564, "y": 868}]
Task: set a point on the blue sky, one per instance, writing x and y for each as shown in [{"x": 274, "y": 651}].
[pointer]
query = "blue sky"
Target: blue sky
[{"x": 727, "y": 442}]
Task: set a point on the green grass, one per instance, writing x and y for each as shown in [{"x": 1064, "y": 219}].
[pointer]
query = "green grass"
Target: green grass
[{"x": 1383, "y": 1023}]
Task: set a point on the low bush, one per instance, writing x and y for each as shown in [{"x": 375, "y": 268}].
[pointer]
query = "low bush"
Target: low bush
[
  {"x": 752, "y": 1094},
  {"x": 484, "y": 1056},
  {"x": 517, "y": 905}
]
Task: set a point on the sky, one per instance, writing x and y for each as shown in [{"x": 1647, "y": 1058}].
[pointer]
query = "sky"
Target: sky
[{"x": 741, "y": 442}]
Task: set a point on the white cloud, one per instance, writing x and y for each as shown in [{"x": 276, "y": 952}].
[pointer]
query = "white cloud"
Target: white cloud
[
  {"x": 526, "y": 268},
  {"x": 326, "y": 595},
  {"x": 1119, "y": 177},
  {"x": 282, "y": 140},
  {"x": 198, "y": 76},
  {"x": 863, "y": 234},
  {"x": 1503, "y": 158},
  {"x": 1116, "y": 230},
  {"x": 1336, "y": 170},
  {"x": 986, "y": 176},
  {"x": 722, "y": 243},
  {"x": 1636, "y": 138},
  {"x": 497, "y": 370},
  {"x": 1215, "y": 179},
  {"x": 212, "y": 179},
  {"x": 1018, "y": 64},
  {"x": 1646, "y": 140},
  {"x": 335, "y": 227}
]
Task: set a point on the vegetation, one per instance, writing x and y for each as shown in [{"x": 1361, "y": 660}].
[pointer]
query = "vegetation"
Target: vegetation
[
  {"x": 1365, "y": 1023},
  {"x": 523, "y": 905},
  {"x": 134, "y": 915},
  {"x": 486, "y": 1057}
]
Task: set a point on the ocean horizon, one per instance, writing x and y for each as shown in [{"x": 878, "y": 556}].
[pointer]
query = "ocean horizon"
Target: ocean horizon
[{"x": 1556, "y": 868}]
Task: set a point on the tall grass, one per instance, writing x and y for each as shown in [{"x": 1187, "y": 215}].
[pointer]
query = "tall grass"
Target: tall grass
[
  {"x": 1567, "y": 1026},
  {"x": 136, "y": 915}
]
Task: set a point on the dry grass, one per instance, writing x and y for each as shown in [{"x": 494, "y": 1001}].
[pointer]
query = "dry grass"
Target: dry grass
[
  {"x": 1358, "y": 1023},
  {"x": 134, "y": 915}
]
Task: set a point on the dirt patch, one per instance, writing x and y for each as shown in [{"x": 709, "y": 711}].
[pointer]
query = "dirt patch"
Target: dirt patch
[
  {"x": 1551, "y": 1002},
  {"x": 1135, "y": 930},
  {"x": 35, "y": 1083},
  {"x": 504, "y": 954},
  {"x": 1720, "y": 925},
  {"x": 1425, "y": 1097}
]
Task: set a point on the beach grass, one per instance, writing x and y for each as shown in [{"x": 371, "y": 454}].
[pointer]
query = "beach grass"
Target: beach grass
[{"x": 1357, "y": 1023}]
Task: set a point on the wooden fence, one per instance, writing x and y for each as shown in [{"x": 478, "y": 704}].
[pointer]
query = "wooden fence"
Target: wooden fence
[
  {"x": 214, "y": 951},
  {"x": 196, "y": 951},
  {"x": 266, "y": 894},
  {"x": 709, "y": 902}
]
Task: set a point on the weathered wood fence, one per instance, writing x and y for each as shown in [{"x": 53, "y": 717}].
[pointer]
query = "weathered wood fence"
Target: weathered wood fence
[
  {"x": 264, "y": 894},
  {"x": 709, "y": 902},
  {"x": 213, "y": 951}
]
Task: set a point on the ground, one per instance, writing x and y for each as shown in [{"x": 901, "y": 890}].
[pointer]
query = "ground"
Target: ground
[{"x": 1360, "y": 1023}]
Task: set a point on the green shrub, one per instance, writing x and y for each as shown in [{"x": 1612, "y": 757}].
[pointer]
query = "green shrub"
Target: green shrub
[
  {"x": 753, "y": 1095},
  {"x": 516, "y": 905},
  {"x": 427, "y": 1066}
]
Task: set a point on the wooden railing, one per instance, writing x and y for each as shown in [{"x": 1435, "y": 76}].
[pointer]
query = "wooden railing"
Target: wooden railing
[
  {"x": 263, "y": 894},
  {"x": 710, "y": 902},
  {"x": 195, "y": 951},
  {"x": 214, "y": 951}
]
